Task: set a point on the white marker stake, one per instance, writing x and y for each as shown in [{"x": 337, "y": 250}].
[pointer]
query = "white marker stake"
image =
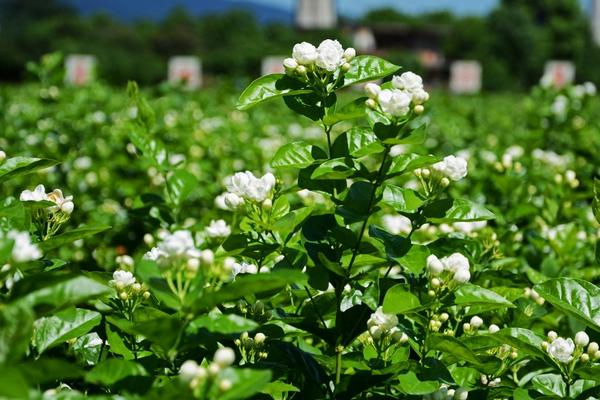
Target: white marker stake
[
  {"x": 272, "y": 65},
  {"x": 465, "y": 77},
  {"x": 79, "y": 69},
  {"x": 559, "y": 73},
  {"x": 186, "y": 70}
]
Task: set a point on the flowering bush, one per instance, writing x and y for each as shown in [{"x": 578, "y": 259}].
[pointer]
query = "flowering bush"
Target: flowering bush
[{"x": 363, "y": 261}]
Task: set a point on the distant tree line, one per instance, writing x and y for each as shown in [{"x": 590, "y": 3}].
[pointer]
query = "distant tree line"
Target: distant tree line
[{"x": 512, "y": 42}]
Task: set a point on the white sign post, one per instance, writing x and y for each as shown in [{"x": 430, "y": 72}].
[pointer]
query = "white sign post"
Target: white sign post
[
  {"x": 186, "y": 70},
  {"x": 559, "y": 73},
  {"x": 465, "y": 77},
  {"x": 79, "y": 69},
  {"x": 272, "y": 65}
]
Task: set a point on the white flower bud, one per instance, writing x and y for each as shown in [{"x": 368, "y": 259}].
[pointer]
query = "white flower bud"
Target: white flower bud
[
  {"x": 301, "y": 69},
  {"x": 493, "y": 328},
  {"x": 476, "y": 321},
  {"x": 466, "y": 327},
  {"x": 372, "y": 90},
  {"x": 267, "y": 204},
  {"x": 584, "y": 358},
  {"x": 371, "y": 103},
  {"x": 597, "y": 355},
  {"x": 290, "y": 63},
  {"x": 444, "y": 317},
  {"x": 434, "y": 265},
  {"x": 148, "y": 239},
  {"x": 582, "y": 339},
  {"x": 461, "y": 394},
  {"x": 419, "y": 109},
  {"x": 552, "y": 336},
  {"x": 224, "y": 357},
  {"x": 214, "y": 369},
  {"x": 146, "y": 295},
  {"x": 345, "y": 67},
  {"x": 592, "y": 348},
  {"x": 188, "y": 370},
  {"x": 259, "y": 338},
  {"x": 207, "y": 257},
  {"x": 2, "y": 156},
  {"x": 225, "y": 385},
  {"x": 435, "y": 283},
  {"x": 462, "y": 276},
  {"x": 349, "y": 53},
  {"x": 192, "y": 265},
  {"x": 444, "y": 182}
]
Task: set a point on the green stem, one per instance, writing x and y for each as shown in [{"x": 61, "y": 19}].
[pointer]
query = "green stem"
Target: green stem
[{"x": 338, "y": 365}]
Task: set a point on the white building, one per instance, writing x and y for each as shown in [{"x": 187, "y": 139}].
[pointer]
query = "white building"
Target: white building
[
  {"x": 595, "y": 21},
  {"x": 316, "y": 14}
]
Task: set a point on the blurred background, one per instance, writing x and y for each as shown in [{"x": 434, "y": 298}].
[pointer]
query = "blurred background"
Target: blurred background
[{"x": 134, "y": 39}]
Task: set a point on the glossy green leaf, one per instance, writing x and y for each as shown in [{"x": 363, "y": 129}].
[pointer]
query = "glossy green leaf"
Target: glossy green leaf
[
  {"x": 269, "y": 87},
  {"x": 353, "y": 110},
  {"x": 550, "y": 384},
  {"x": 181, "y": 183},
  {"x": 402, "y": 199},
  {"x": 409, "y": 162},
  {"x": 452, "y": 210},
  {"x": 368, "y": 68},
  {"x": 62, "y": 326},
  {"x": 224, "y": 323},
  {"x": 574, "y": 297},
  {"x": 293, "y": 155},
  {"x": 19, "y": 166},
  {"x": 473, "y": 295},
  {"x": 452, "y": 346},
  {"x": 336, "y": 168},
  {"x": 71, "y": 236},
  {"x": 399, "y": 300},
  {"x": 112, "y": 370},
  {"x": 245, "y": 383}
]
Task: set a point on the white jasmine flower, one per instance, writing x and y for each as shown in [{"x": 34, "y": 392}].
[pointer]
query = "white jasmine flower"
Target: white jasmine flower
[
  {"x": 290, "y": 63},
  {"x": 349, "y": 54},
  {"x": 462, "y": 276},
  {"x": 122, "y": 279},
  {"x": 218, "y": 229},
  {"x": 243, "y": 268},
  {"x": 188, "y": 370},
  {"x": 582, "y": 339},
  {"x": 372, "y": 90},
  {"x": 493, "y": 328},
  {"x": 456, "y": 262},
  {"x": 2, "y": 156},
  {"x": 64, "y": 204},
  {"x": 453, "y": 167},
  {"x": 476, "y": 321},
  {"x": 469, "y": 227},
  {"x": 38, "y": 194},
  {"x": 408, "y": 81},
  {"x": 394, "y": 102},
  {"x": 590, "y": 88},
  {"x": 246, "y": 185},
  {"x": 396, "y": 224},
  {"x": 382, "y": 320},
  {"x": 561, "y": 349},
  {"x": 224, "y": 357},
  {"x": 330, "y": 55},
  {"x": 23, "y": 249},
  {"x": 434, "y": 265},
  {"x": 304, "y": 53}
]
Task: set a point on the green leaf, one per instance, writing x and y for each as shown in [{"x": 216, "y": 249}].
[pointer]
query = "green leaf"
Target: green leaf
[
  {"x": 19, "y": 166},
  {"x": 293, "y": 155},
  {"x": 452, "y": 210},
  {"x": 402, "y": 199},
  {"x": 473, "y": 295},
  {"x": 415, "y": 260},
  {"x": 452, "y": 346},
  {"x": 56, "y": 290},
  {"x": 225, "y": 324},
  {"x": 13, "y": 384},
  {"x": 396, "y": 246},
  {"x": 362, "y": 142},
  {"x": 368, "y": 68},
  {"x": 526, "y": 341},
  {"x": 17, "y": 327},
  {"x": 245, "y": 383},
  {"x": 65, "y": 325},
  {"x": 45, "y": 370},
  {"x": 399, "y": 300},
  {"x": 409, "y": 162},
  {"x": 71, "y": 236},
  {"x": 112, "y": 370},
  {"x": 409, "y": 383},
  {"x": 277, "y": 389},
  {"x": 357, "y": 204},
  {"x": 550, "y": 385},
  {"x": 336, "y": 168},
  {"x": 269, "y": 87},
  {"x": 352, "y": 110},
  {"x": 596, "y": 201},
  {"x": 181, "y": 184},
  {"x": 249, "y": 285},
  {"x": 574, "y": 297}
]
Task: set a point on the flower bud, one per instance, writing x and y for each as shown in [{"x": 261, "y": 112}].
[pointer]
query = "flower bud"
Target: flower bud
[
  {"x": 582, "y": 339},
  {"x": 435, "y": 266},
  {"x": 119, "y": 285},
  {"x": 290, "y": 63},
  {"x": 545, "y": 345},
  {"x": 592, "y": 348},
  {"x": 148, "y": 239},
  {"x": 444, "y": 182},
  {"x": 597, "y": 355},
  {"x": 371, "y": 103},
  {"x": 584, "y": 358},
  {"x": 450, "y": 393},
  {"x": 493, "y": 328},
  {"x": 552, "y": 336},
  {"x": 192, "y": 265},
  {"x": 461, "y": 394},
  {"x": 372, "y": 90},
  {"x": 146, "y": 295},
  {"x": 444, "y": 317},
  {"x": 214, "y": 369},
  {"x": 349, "y": 54},
  {"x": 136, "y": 287},
  {"x": 267, "y": 204},
  {"x": 224, "y": 357},
  {"x": 435, "y": 283},
  {"x": 259, "y": 338},
  {"x": 476, "y": 321},
  {"x": 244, "y": 336},
  {"x": 513, "y": 355},
  {"x": 301, "y": 69},
  {"x": 2, "y": 156},
  {"x": 225, "y": 385},
  {"x": 431, "y": 293},
  {"x": 425, "y": 172},
  {"x": 419, "y": 109},
  {"x": 540, "y": 301},
  {"x": 123, "y": 296},
  {"x": 188, "y": 370},
  {"x": 375, "y": 332},
  {"x": 466, "y": 326},
  {"x": 345, "y": 67}
]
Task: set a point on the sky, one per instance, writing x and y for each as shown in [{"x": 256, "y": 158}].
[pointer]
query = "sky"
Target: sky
[{"x": 355, "y": 8}]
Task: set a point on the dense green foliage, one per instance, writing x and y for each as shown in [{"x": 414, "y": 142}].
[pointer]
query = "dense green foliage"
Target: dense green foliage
[{"x": 323, "y": 284}]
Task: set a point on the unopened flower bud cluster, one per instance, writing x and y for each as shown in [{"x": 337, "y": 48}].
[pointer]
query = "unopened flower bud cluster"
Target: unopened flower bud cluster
[
  {"x": 445, "y": 392},
  {"x": 327, "y": 58},
  {"x": 128, "y": 289},
  {"x": 244, "y": 187},
  {"x": 201, "y": 378},
  {"x": 406, "y": 93},
  {"x": 447, "y": 272},
  {"x": 252, "y": 349},
  {"x": 383, "y": 330}
]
